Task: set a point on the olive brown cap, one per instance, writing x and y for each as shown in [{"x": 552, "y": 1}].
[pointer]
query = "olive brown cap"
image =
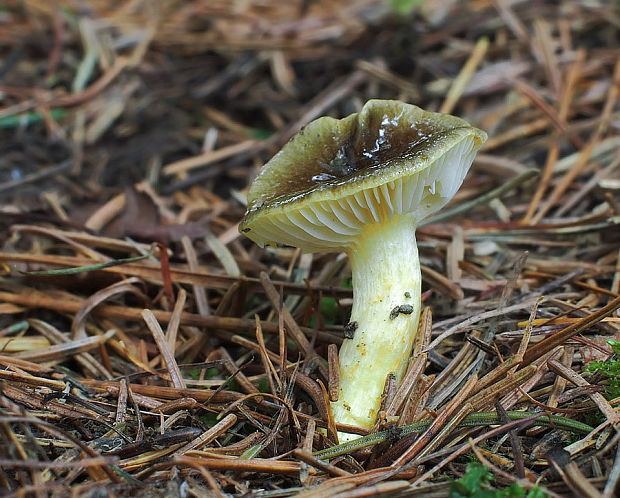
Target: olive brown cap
[{"x": 336, "y": 176}]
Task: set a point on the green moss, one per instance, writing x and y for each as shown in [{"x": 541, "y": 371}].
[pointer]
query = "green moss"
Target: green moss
[
  {"x": 477, "y": 482},
  {"x": 610, "y": 369}
]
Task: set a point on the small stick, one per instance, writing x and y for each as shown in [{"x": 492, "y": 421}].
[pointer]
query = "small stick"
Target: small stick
[
  {"x": 306, "y": 457},
  {"x": 291, "y": 325},
  {"x": 598, "y": 398},
  {"x": 304, "y": 473},
  {"x": 559, "y": 338},
  {"x": 435, "y": 426},
  {"x": 121, "y": 403},
  {"x": 460, "y": 82},
  {"x": 208, "y": 436},
  {"x": 270, "y": 370},
  {"x": 506, "y": 384},
  {"x": 209, "y": 157},
  {"x": 239, "y": 465},
  {"x": 333, "y": 379},
  {"x": 199, "y": 292},
  {"x": 482, "y": 199},
  {"x": 169, "y": 360},
  {"x": 172, "y": 329},
  {"x": 412, "y": 376},
  {"x": 234, "y": 370},
  {"x": 482, "y": 437},
  {"x": 586, "y": 152},
  {"x": 332, "y": 433},
  {"x": 40, "y": 300},
  {"x": 517, "y": 451}
]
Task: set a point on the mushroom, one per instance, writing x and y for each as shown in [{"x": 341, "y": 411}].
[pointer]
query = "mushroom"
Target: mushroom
[{"x": 362, "y": 184}]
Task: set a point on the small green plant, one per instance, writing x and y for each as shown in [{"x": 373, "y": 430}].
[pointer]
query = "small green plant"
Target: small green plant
[
  {"x": 476, "y": 483},
  {"x": 328, "y": 306},
  {"x": 609, "y": 369},
  {"x": 263, "y": 385},
  {"x": 209, "y": 419},
  {"x": 404, "y": 7}
]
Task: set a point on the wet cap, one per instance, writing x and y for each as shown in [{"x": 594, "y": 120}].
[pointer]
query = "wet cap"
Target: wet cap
[{"x": 338, "y": 176}]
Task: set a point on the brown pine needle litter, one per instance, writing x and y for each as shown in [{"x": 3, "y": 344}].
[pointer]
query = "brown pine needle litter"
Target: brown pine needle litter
[{"x": 147, "y": 348}]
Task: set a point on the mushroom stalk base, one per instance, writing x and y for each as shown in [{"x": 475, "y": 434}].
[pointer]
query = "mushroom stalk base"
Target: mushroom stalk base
[{"x": 386, "y": 308}]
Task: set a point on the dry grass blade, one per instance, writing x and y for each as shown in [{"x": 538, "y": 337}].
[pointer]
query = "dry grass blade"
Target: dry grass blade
[
  {"x": 612, "y": 415},
  {"x": 40, "y": 300},
  {"x": 57, "y": 353},
  {"x": 586, "y": 151},
  {"x": 180, "y": 275},
  {"x": 449, "y": 410},
  {"x": 168, "y": 358},
  {"x": 207, "y": 158},
  {"x": 459, "y": 83},
  {"x": 333, "y": 383},
  {"x": 291, "y": 325},
  {"x": 222, "y": 426},
  {"x": 559, "y": 338},
  {"x": 237, "y": 465},
  {"x": 78, "y": 328},
  {"x": 475, "y": 441},
  {"x": 572, "y": 476},
  {"x": 306, "y": 457}
]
